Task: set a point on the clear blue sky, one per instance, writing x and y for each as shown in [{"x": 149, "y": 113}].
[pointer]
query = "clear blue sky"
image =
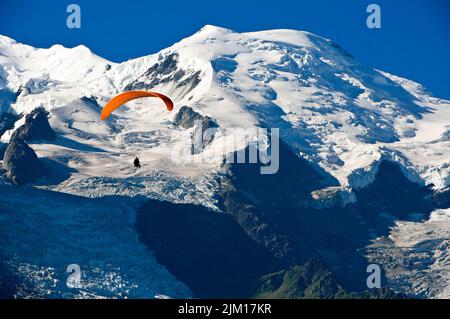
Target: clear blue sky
[{"x": 414, "y": 40}]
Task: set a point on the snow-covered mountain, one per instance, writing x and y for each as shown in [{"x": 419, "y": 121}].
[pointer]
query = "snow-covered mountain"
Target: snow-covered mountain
[{"x": 343, "y": 118}]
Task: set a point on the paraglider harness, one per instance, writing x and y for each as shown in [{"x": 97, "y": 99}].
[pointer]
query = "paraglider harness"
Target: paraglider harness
[{"x": 137, "y": 163}]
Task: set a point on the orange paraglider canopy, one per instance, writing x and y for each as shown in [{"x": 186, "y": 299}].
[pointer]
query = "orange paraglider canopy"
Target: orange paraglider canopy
[{"x": 125, "y": 97}]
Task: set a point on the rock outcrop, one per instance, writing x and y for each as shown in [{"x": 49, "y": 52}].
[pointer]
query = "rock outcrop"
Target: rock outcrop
[
  {"x": 330, "y": 197},
  {"x": 165, "y": 71},
  {"x": 312, "y": 280},
  {"x": 202, "y": 135},
  {"x": 21, "y": 163},
  {"x": 3, "y": 147},
  {"x": 36, "y": 127}
]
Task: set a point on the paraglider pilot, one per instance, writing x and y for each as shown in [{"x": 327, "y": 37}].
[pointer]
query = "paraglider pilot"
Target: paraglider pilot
[{"x": 137, "y": 163}]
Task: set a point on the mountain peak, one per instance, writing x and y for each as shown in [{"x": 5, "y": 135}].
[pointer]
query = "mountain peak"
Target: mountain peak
[
  {"x": 213, "y": 28},
  {"x": 207, "y": 33},
  {"x": 291, "y": 37},
  {"x": 6, "y": 40}
]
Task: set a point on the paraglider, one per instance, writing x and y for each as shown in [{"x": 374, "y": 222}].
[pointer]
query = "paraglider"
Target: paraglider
[
  {"x": 137, "y": 163},
  {"x": 125, "y": 97}
]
